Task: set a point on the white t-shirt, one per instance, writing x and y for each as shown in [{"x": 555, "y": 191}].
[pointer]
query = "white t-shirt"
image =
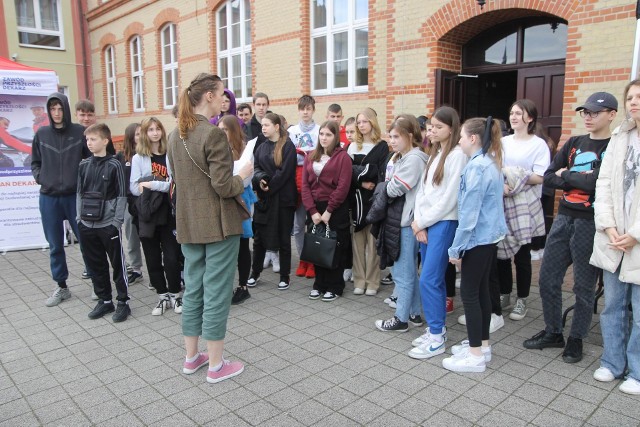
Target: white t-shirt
[
  {"x": 631, "y": 172},
  {"x": 304, "y": 141},
  {"x": 352, "y": 150},
  {"x": 532, "y": 155}
]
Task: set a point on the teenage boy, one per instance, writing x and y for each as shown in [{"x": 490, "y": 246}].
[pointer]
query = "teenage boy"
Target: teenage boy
[
  {"x": 57, "y": 150},
  {"x": 244, "y": 113},
  {"x": 334, "y": 114},
  {"x": 260, "y": 107},
  {"x": 304, "y": 136},
  {"x": 100, "y": 203},
  {"x": 86, "y": 116},
  {"x": 574, "y": 170}
]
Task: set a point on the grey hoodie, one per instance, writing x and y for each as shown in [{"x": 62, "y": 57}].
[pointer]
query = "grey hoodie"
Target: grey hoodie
[{"x": 403, "y": 176}]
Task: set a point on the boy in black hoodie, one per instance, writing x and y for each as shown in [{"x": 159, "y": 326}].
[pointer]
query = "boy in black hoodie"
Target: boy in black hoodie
[
  {"x": 100, "y": 203},
  {"x": 56, "y": 153}
]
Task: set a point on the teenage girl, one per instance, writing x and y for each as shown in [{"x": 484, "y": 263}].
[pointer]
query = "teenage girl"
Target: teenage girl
[
  {"x": 616, "y": 249},
  {"x": 133, "y": 254},
  {"x": 481, "y": 225},
  {"x": 526, "y": 150},
  {"x": 369, "y": 155},
  {"x": 230, "y": 126},
  {"x": 149, "y": 172},
  {"x": 434, "y": 225},
  {"x": 403, "y": 175},
  {"x": 275, "y": 184},
  {"x": 326, "y": 178}
]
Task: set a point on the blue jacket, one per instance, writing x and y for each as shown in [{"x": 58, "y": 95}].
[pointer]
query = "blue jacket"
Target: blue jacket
[{"x": 480, "y": 207}]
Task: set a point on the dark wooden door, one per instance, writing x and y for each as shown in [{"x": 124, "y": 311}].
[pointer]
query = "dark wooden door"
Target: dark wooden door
[
  {"x": 450, "y": 90},
  {"x": 545, "y": 87}
]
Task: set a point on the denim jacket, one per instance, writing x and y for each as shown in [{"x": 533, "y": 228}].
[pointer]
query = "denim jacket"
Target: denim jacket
[{"x": 480, "y": 207}]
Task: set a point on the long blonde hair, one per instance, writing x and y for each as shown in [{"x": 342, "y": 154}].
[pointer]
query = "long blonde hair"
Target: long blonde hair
[
  {"x": 449, "y": 117},
  {"x": 375, "y": 128},
  {"x": 144, "y": 146},
  {"x": 478, "y": 126}
]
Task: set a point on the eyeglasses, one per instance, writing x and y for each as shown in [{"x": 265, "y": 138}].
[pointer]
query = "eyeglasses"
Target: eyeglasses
[{"x": 591, "y": 114}]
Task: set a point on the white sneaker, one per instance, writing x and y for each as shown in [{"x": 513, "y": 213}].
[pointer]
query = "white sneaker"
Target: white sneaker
[
  {"x": 424, "y": 337},
  {"x": 371, "y": 292},
  {"x": 275, "y": 260},
  {"x": 94, "y": 297},
  {"x": 164, "y": 303},
  {"x": 176, "y": 303},
  {"x": 603, "y": 374},
  {"x": 630, "y": 386},
  {"x": 464, "y": 362},
  {"x": 267, "y": 259},
  {"x": 464, "y": 346},
  {"x": 497, "y": 322},
  {"x": 458, "y": 283},
  {"x": 537, "y": 255},
  {"x": 430, "y": 347},
  {"x": 358, "y": 291},
  {"x": 347, "y": 275},
  {"x": 462, "y": 320}
]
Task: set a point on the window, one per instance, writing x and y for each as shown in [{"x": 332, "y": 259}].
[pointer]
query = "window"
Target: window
[
  {"x": 169, "y": 65},
  {"x": 39, "y": 23},
  {"x": 137, "y": 74},
  {"x": 234, "y": 47},
  {"x": 339, "y": 46},
  {"x": 110, "y": 68}
]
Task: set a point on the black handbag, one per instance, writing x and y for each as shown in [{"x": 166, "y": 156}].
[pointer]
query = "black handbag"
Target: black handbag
[
  {"x": 320, "y": 247},
  {"x": 91, "y": 206}
]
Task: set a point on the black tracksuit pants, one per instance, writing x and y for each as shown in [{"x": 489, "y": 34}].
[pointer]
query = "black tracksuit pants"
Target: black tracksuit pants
[{"x": 98, "y": 244}]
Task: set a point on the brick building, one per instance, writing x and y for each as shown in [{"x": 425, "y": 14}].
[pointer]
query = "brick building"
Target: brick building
[{"x": 392, "y": 55}]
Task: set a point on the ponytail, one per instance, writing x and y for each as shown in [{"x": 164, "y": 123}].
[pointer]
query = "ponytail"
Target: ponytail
[
  {"x": 490, "y": 133},
  {"x": 191, "y": 97}
]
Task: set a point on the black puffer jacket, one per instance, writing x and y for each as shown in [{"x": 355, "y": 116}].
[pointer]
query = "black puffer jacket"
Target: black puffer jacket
[
  {"x": 386, "y": 215},
  {"x": 370, "y": 168}
]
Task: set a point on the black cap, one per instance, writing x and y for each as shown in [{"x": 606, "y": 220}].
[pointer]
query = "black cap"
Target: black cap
[
  {"x": 422, "y": 121},
  {"x": 600, "y": 101}
]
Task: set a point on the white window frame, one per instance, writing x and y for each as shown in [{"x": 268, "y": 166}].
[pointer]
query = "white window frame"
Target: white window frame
[
  {"x": 137, "y": 77},
  {"x": 328, "y": 31},
  {"x": 38, "y": 26},
  {"x": 244, "y": 49},
  {"x": 169, "y": 64},
  {"x": 110, "y": 71}
]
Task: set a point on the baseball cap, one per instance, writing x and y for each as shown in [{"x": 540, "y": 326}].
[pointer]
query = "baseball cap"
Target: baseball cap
[{"x": 600, "y": 101}]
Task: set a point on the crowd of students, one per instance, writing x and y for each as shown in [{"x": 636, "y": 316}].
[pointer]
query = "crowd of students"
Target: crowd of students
[{"x": 426, "y": 197}]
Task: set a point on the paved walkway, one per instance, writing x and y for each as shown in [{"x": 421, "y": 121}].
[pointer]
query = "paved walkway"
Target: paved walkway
[{"x": 307, "y": 363}]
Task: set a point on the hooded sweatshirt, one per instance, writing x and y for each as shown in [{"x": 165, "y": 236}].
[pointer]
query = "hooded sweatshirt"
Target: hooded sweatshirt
[
  {"x": 57, "y": 152},
  {"x": 231, "y": 112},
  {"x": 403, "y": 176}
]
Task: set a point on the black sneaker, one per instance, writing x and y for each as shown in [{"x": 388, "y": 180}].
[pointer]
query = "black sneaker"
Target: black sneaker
[
  {"x": 101, "y": 309},
  {"x": 544, "y": 339},
  {"x": 253, "y": 281},
  {"x": 387, "y": 280},
  {"x": 573, "y": 351},
  {"x": 133, "y": 277},
  {"x": 415, "y": 320},
  {"x": 239, "y": 295},
  {"x": 393, "y": 324},
  {"x": 329, "y": 296},
  {"x": 122, "y": 312}
]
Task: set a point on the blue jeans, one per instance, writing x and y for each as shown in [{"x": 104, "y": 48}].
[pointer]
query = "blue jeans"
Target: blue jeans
[
  {"x": 435, "y": 258},
  {"x": 405, "y": 274},
  {"x": 54, "y": 210},
  {"x": 621, "y": 342}
]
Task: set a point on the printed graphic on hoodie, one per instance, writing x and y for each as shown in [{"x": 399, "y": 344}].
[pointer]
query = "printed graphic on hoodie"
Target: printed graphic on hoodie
[{"x": 582, "y": 162}]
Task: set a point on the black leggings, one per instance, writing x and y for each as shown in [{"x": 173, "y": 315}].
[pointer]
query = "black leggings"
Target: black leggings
[
  {"x": 522, "y": 260},
  {"x": 244, "y": 262},
  {"x": 474, "y": 290},
  {"x": 283, "y": 235}
]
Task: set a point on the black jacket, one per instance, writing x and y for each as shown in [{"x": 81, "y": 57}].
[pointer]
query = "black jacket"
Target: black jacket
[
  {"x": 254, "y": 130},
  {"x": 104, "y": 175},
  {"x": 57, "y": 152},
  {"x": 386, "y": 216},
  {"x": 371, "y": 168},
  {"x": 282, "y": 180}
]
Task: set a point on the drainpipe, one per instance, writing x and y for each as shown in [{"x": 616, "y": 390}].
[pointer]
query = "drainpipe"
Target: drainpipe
[
  {"x": 636, "y": 46},
  {"x": 84, "y": 49}
]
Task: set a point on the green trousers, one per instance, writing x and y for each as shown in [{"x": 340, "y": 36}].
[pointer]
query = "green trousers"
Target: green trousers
[{"x": 209, "y": 270}]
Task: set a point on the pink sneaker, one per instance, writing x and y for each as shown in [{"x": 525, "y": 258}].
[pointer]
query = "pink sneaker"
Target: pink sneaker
[
  {"x": 228, "y": 370},
  {"x": 191, "y": 367}
]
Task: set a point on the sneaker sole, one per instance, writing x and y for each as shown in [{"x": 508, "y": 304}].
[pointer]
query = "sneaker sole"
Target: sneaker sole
[
  {"x": 422, "y": 356},
  {"x": 314, "y": 298},
  {"x": 283, "y": 288},
  {"x": 514, "y": 316},
  {"x": 473, "y": 369},
  {"x": 329, "y": 299},
  {"x": 415, "y": 324},
  {"x": 252, "y": 285},
  {"x": 241, "y": 301},
  {"x": 101, "y": 315},
  {"x": 402, "y": 331},
  {"x": 194, "y": 370},
  {"x": 226, "y": 377}
]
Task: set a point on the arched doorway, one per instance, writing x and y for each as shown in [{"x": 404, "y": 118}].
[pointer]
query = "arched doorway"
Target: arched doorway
[{"x": 521, "y": 58}]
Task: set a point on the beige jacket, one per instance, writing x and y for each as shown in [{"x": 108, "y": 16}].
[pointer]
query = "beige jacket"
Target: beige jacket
[
  {"x": 206, "y": 211},
  {"x": 609, "y": 211}
]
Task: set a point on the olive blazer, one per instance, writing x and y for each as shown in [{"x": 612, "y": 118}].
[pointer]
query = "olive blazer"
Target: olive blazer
[{"x": 206, "y": 211}]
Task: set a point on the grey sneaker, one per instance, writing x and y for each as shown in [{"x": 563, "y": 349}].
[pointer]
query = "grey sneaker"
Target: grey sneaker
[
  {"x": 520, "y": 310},
  {"x": 59, "y": 295},
  {"x": 505, "y": 301}
]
